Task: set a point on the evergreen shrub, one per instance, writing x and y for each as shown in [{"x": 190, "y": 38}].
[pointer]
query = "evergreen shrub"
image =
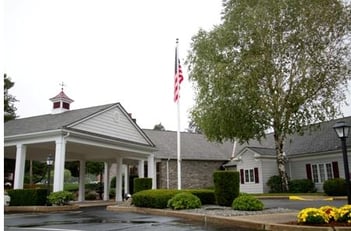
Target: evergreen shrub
[
  {"x": 275, "y": 184},
  {"x": 206, "y": 196},
  {"x": 226, "y": 186},
  {"x": 184, "y": 200},
  {"x": 153, "y": 198},
  {"x": 141, "y": 184},
  {"x": 27, "y": 197},
  {"x": 335, "y": 187},
  {"x": 247, "y": 203},
  {"x": 302, "y": 186},
  {"x": 60, "y": 197}
]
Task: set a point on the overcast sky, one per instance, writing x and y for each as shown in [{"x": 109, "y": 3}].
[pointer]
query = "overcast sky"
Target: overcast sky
[{"x": 105, "y": 51}]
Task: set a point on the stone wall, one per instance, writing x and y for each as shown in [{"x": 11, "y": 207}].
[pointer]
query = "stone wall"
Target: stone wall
[{"x": 194, "y": 173}]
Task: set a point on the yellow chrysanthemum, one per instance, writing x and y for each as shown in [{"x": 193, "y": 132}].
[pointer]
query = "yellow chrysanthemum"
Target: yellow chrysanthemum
[
  {"x": 344, "y": 214},
  {"x": 331, "y": 211},
  {"x": 312, "y": 216}
]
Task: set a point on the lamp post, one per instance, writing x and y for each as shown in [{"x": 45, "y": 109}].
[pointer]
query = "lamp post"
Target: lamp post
[
  {"x": 342, "y": 129},
  {"x": 49, "y": 163}
]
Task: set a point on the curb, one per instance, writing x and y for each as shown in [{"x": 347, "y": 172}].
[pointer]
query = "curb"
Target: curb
[
  {"x": 39, "y": 209},
  {"x": 237, "y": 221}
]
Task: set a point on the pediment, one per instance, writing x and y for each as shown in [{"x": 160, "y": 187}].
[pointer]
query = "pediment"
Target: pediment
[{"x": 112, "y": 122}]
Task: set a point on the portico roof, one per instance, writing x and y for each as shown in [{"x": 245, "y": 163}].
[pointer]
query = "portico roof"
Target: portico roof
[{"x": 98, "y": 133}]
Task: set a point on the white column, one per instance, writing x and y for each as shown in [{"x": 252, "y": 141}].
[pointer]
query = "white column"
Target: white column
[
  {"x": 20, "y": 165},
  {"x": 81, "y": 193},
  {"x": 141, "y": 169},
  {"x": 126, "y": 178},
  {"x": 119, "y": 179},
  {"x": 151, "y": 169},
  {"x": 60, "y": 155},
  {"x": 106, "y": 181}
]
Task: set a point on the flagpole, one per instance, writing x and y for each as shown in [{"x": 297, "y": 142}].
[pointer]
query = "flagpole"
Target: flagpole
[{"x": 178, "y": 129}]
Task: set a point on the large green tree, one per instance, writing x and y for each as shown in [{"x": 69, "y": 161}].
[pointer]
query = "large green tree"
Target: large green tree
[
  {"x": 279, "y": 65},
  {"x": 9, "y": 100}
]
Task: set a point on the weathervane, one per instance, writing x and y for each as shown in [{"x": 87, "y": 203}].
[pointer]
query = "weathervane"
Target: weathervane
[{"x": 62, "y": 84}]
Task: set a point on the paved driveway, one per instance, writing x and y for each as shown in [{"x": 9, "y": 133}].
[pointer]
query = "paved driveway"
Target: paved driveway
[{"x": 97, "y": 218}]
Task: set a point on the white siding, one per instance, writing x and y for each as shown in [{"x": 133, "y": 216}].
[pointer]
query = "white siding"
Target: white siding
[
  {"x": 269, "y": 169},
  {"x": 249, "y": 162},
  {"x": 298, "y": 166},
  {"x": 113, "y": 123}
]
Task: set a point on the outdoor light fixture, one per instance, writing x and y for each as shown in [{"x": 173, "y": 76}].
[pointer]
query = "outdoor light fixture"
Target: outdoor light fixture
[
  {"x": 342, "y": 130},
  {"x": 49, "y": 163}
]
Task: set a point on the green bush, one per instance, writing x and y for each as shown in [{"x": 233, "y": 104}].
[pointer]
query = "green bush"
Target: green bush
[
  {"x": 27, "y": 197},
  {"x": 206, "y": 196},
  {"x": 247, "y": 203},
  {"x": 90, "y": 195},
  {"x": 71, "y": 187},
  {"x": 184, "y": 200},
  {"x": 141, "y": 184},
  {"x": 226, "y": 186},
  {"x": 153, "y": 198},
  {"x": 60, "y": 198},
  {"x": 112, "y": 193},
  {"x": 301, "y": 186},
  {"x": 113, "y": 182},
  {"x": 275, "y": 184},
  {"x": 335, "y": 187}
]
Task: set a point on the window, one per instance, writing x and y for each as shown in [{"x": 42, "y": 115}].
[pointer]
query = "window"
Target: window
[
  {"x": 57, "y": 105},
  {"x": 322, "y": 172},
  {"x": 249, "y": 175},
  {"x": 65, "y": 105}
]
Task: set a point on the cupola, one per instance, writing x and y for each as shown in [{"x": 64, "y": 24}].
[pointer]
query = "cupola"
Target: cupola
[{"x": 60, "y": 103}]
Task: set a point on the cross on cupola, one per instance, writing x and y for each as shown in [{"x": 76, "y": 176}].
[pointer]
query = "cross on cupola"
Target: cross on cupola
[{"x": 61, "y": 102}]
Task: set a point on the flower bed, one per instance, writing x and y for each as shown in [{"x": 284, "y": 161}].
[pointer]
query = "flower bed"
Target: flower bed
[{"x": 325, "y": 215}]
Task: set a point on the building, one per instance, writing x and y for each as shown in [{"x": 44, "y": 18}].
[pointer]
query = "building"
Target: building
[
  {"x": 107, "y": 133},
  {"x": 315, "y": 155},
  {"x": 104, "y": 133}
]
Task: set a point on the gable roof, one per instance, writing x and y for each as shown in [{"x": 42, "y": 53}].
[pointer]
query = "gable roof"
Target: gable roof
[
  {"x": 193, "y": 146},
  {"x": 321, "y": 138},
  {"x": 49, "y": 121},
  {"x": 64, "y": 120}
]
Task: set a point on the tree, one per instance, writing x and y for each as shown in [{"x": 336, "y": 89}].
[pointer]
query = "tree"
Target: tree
[
  {"x": 9, "y": 100},
  {"x": 279, "y": 65},
  {"x": 193, "y": 128},
  {"x": 159, "y": 127}
]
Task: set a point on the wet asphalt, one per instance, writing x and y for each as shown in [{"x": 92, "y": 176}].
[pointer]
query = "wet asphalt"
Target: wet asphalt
[{"x": 98, "y": 218}]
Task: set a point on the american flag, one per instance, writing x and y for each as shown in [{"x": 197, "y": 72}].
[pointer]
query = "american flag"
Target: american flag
[{"x": 178, "y": 78}]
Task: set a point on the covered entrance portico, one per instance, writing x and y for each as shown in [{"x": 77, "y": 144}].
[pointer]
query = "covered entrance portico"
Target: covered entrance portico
[
  {"x": 104, "y": 133},
  {"x": 67, "y": 145}
]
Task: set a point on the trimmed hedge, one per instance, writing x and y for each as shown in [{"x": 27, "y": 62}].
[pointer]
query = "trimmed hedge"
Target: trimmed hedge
[
  {"x": 158, "y": 198},
  {"x": 335, "y": 187},
  {"x": 227, "y": 186},
  {"x": 206, "y": 196},
  {"x": 27, "y": 197},
  {"x": 302, "y": 186},
  {"x": 141, "y": 184}
]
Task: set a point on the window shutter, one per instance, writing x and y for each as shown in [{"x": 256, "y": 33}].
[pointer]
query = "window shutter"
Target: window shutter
[
  {"x": 308, "y": 171},
  {"x": 242, "y": 177},
  {"x": 335, "y": 169},
  {"x": 256, "y": 176}
]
